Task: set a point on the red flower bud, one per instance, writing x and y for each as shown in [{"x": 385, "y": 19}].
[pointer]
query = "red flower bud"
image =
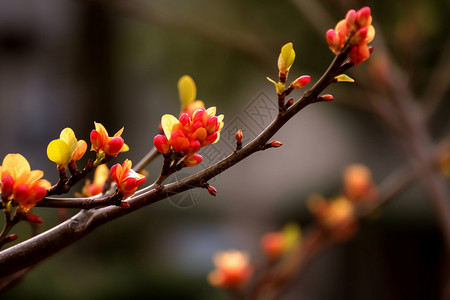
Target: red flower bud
[
  {"x": 7, "y": 186},
  {"x": 114, "y": 146},
  {"x": 301, "y": 81},
  {"x": 212, "y": 190},
  {"x": 327, "y": 97},
  {"x": 212, "y": 124},
  {"x": 193, "y": 160},
  {"x": 351, "y": 17},
  {"x": 276, "y": 144},
  {"x": 360, "y": 36},
  {"x": 22, "y": 193},
  {"x": 363, "y": 17},
  {"x": 11, "y": 238},
  {"x": 96, "y": 140},
  {"x": 161, "y": 143}
]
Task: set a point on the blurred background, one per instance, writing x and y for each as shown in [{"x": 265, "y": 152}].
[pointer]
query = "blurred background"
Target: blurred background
[{"x": 69, "y": 63}]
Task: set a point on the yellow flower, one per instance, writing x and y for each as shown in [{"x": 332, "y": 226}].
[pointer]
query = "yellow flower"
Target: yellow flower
[{"x": 66, "y": 149}]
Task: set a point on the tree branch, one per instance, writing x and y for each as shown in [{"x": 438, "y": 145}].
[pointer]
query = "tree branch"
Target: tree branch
[{"x": 36, "y": 249}]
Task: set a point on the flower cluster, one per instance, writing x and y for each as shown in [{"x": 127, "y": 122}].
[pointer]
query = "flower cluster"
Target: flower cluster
[
  {"x": 232, "y": 271},
  {"x": 127, "y": 179},
  {"x": 193, "y": 130},
  {"x": 338, "y": 215},
  {"x": 355, "y": 29},
  {"x": 20, "y": 184}
]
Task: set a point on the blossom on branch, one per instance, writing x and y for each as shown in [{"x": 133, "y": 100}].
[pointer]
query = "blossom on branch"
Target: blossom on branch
[
  {"x": 96, "y": 186},
  {"x": 189, "y": 133},
  {"x": 20, "y": 184},
  {"x": 127, "y": 179},
  {"x": 232, "y": 271},
  {"x": 357, "y": 30},
  {"x": 66, "y": 149},
  {"x": 103, "y": 143}
]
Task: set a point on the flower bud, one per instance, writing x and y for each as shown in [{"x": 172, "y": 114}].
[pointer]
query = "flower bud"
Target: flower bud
[
  {"x": 96, "y": 140},
  {"x": 276, "y": 144},
  {"x": 289, "y": 102},
  {"x": 286, "y": 58},
  {"x": 239, "y": 136},
  {"x": 212, "y": 190},
  {"x": 192, "y": 160},
  {"x": 301, "y": 81},
  {"x": 351, "y": 17},
  {"x": 326, "y": 97},
  {"x": 363, "y": 17},
  {"x": 7, "y": 186},
  {"x": 11, "y": 238},
  {"x": 161, "y": 143},
  {"x": 360, "y": 36},
  {"x": 114, "y": 146}
]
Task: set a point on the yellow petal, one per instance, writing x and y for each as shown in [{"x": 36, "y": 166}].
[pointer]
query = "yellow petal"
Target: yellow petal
[
  {"x": 167, "y": 123},
  {"x": 59, "y": 152},
  {"x": 101, "y": 174},
  {"x": 211, "y": 111},
  {"x": 17, "y": 166},
  {"x": 100, "y": 128},
  {"x": 370, "y": 34},
  {"x": 125, "y": 148},
  {"x": 218, "y": 137},
  {"x": 80, "y": 150},
  {"x": 68, "y": 136},
  {"x": 187, "y": 91},
  {"x": 119, "y": 133},
  {"x": 35, "y": 175}
]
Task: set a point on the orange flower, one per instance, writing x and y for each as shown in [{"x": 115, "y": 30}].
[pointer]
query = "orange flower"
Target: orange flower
[
  {"x": 356, "y": 27},
  {"x": 337, "y": 215},
  {"x": 189, "y": 133},
  {"x": 102, "y": 142},
  {"x": 96, "y": 187},
  {"x": 358, "y": 183},
  {"x": 127, "y": 179},
  {"x": 20, "y": 183},
  {"x": 232, "y": 271}
]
